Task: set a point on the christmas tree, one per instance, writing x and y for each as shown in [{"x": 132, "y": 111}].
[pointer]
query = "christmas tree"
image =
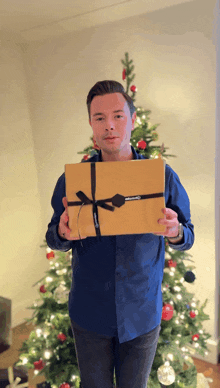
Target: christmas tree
[{"x": 50, "y": 348}]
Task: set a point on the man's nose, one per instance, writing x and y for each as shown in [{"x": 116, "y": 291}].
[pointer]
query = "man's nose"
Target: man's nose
[{"x": 109, "y": 125}]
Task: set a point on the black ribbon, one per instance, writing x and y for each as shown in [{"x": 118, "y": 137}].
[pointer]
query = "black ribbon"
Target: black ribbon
[{"x": 117, "y": 201}]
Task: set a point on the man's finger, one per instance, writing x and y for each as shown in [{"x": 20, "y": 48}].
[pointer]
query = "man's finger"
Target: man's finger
[
  {"x": 64, "y": 200},
  {"x": 169, "y": 213},
  {"x": 168, "y": 223}
]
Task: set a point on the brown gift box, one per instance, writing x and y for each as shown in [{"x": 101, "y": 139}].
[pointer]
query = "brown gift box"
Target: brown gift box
[{"x": 133, "y": 181}]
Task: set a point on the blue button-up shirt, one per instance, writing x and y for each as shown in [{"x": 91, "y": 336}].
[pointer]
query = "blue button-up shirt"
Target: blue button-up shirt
[{"x": 116, "y": 281}]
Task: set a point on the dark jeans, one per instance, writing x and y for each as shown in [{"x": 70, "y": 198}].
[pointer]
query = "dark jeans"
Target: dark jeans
[{"x": 98, "y": 355}]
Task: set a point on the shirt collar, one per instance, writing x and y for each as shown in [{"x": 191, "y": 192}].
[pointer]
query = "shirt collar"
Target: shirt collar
[{"x": 135, "y": 155}]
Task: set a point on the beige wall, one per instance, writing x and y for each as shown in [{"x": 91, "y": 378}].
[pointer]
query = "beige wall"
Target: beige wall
[
  {"x": 20, "y": 199},
  {"x": 175, "y": 65}
]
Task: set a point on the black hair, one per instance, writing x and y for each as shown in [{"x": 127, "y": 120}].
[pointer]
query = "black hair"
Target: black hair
[{"x": 106, "y": 87}]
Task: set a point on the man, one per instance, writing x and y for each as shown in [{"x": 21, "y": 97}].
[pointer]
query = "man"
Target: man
[{"x": 115, "y": 302}]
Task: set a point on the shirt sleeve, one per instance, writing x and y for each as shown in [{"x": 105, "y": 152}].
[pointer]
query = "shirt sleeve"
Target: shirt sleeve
[
  {"x": 178, "y": 200},
  {"x": 54, "y": 241}
]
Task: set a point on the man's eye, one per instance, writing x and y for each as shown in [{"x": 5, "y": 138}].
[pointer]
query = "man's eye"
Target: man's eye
[{"x": 101, "y": 118}]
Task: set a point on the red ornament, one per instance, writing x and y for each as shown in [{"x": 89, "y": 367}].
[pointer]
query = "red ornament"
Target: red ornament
[
  {"x": 133, "y": 88},
  {"x": 167, "y": 312},
  {"x": 38, "y": 365},
  {"x": 64, "y": 385},
  {"x": 124, "y": 74},
  {"x": 142, "y": 144},
  {"x": 43, "y": 289},
  {"x": 192, "y": 314},
  {"x": 172, "y": 263},
  {"x": 95, "y": 146},
  {"x": 195, "y": 337},
  {"x": 85, "y": 157},
  {"x": 61, "y": 337},
  {"x": 50, "y": 255}
]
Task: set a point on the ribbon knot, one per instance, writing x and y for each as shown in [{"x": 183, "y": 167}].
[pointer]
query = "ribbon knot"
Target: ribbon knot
[{"x": 118, "y": 200}]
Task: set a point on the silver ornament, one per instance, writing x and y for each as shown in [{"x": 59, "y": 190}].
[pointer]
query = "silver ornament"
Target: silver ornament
[
  {"x": 166, "y": 374},
  {"x": 61, "y": 294}
]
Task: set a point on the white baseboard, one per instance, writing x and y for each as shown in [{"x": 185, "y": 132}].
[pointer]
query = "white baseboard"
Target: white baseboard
[{"x": 214, "y": 351}]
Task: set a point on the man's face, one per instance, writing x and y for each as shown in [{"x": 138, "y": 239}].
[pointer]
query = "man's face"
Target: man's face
[{"x": 111, "y": 118}]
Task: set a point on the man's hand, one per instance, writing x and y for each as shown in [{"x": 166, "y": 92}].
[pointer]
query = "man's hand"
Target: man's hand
[
  {"x": 171, "y": 222},
  {"x": 63, "y": 229}
]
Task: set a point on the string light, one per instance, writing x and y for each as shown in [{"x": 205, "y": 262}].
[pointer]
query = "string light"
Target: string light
[
  {"x": 176, "y": 288},
  {"x": 49, "y": 279},
  {"x": 47, "y": 354},
  {"x": 46, "y": 333},
  {"x": 61, "y": 271},
  {"x": 39, "y": 332},
  {"x": 170, "y": 356}
]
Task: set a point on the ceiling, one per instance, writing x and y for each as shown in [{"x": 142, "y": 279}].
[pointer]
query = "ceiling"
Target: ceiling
[{"x": 32, "y": 20}]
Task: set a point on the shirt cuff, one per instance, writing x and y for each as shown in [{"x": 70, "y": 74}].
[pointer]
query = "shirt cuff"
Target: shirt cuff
[{"x": 178, "y": 244}]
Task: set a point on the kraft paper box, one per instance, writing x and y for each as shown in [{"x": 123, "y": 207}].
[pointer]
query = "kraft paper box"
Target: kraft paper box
[{"x": 115, "y": 198}]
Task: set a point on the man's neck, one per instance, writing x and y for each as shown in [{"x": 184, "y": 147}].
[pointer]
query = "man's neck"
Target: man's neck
[{"x": 117, "y": 156}]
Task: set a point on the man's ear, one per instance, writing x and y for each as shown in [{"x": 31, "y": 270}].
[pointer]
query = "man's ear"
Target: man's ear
[{"x": 134, "y": 116}]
